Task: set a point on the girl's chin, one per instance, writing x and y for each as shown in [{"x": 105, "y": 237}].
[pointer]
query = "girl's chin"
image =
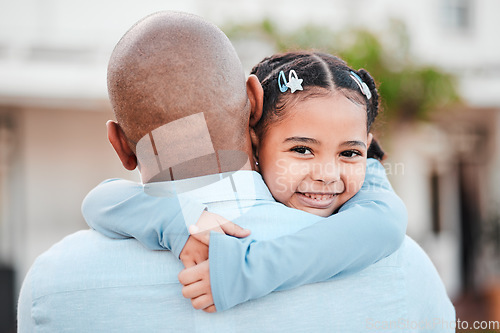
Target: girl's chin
[{"x": 319, "y": 212}]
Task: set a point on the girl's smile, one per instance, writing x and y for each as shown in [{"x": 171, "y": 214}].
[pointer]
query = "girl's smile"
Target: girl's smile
[{"x": 316, "y": 200}]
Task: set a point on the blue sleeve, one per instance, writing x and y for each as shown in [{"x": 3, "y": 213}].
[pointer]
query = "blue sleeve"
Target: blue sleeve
[
  {"x": 120, "y": 208},
  {"x": 366, "y": 229}
]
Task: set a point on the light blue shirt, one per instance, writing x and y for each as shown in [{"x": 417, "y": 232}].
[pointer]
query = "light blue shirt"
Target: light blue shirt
[
  {"x": 375, "y": 217},
  {"x": 88, "y": 282}
]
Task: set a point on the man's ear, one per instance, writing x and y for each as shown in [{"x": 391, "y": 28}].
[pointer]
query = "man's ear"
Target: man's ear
[
  {"x": 256, "y": 96},
  {"x": 120, "y": 144},
  {"x": 370, "y": 139}
]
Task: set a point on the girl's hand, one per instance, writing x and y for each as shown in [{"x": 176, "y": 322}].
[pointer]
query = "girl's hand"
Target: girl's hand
[
  {"x": 193, "y": 253},
  {"x": 213, "y": 222},
  {"x": 196, "y": 276},
  {"x": 196, "y": 281},
  {"x": 195, "y": 250}
]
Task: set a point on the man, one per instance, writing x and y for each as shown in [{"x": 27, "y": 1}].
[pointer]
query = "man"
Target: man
[{"x": 165, "y": 71}]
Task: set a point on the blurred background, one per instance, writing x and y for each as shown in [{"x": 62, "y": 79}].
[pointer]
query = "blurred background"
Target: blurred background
[{"x": 437, "y": 64}]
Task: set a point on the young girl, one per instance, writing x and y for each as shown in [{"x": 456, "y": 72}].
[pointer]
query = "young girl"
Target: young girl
[
  {"x": 313, "y": 139},
  {"x": 311, "y": 148}
]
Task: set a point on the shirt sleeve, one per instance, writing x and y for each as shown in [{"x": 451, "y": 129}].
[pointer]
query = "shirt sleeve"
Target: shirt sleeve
[
  {"x": 366, "y": 229},
  {"x": 120, "y": 208}
]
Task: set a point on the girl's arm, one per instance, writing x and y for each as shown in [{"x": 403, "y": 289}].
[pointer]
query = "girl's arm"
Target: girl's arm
[
  {"x": 119, "y": 208},
  {"x": 367, "y": 228}
]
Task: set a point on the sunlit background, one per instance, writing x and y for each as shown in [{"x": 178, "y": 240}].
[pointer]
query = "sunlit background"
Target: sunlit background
[{"x": 437, "y": 63}]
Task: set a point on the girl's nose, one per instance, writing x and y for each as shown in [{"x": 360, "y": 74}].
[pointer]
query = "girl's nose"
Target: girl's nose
[{"x": 327, "y": 173}]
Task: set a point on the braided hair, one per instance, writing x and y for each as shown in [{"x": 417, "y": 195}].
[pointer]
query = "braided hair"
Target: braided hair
[{"x": 321, "y": 73}]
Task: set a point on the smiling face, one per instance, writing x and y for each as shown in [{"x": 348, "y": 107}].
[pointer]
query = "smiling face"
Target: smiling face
[{"x": 314, "y": 159}]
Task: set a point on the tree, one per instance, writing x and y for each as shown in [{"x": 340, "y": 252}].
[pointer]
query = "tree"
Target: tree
[{"x": 409, "y": 91}]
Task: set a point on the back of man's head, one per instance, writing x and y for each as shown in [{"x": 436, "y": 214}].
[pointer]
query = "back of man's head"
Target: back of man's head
[
  {"x": 178, "y": 92},
  {"x": 172, "y": 65}
]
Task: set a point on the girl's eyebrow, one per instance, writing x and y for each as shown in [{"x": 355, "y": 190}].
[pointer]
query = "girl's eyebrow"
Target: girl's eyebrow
[
  {"x": 354, "y": 143},
  {"x": 301, "y": 139}
]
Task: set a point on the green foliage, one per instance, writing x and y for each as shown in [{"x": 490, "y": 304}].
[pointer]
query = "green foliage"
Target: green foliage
[{"x": 408, "y": 91}]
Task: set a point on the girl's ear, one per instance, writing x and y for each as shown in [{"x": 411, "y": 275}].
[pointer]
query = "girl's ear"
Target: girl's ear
[
  {"x": 120, "y": 144},
  {"x": 255, "y": 147},
  {"x": 256, "y": 96}
]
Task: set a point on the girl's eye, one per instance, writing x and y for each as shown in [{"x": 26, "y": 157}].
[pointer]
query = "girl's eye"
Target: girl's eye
[
  {"x": 302, "y": 150},
  {"x": 350, "y": 153}
]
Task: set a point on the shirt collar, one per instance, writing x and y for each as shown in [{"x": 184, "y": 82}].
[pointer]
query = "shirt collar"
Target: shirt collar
[{"x": 242, "y": 185}]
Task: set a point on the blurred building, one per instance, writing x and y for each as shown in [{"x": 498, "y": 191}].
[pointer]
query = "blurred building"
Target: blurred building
[{"x": 53, "y": 107}]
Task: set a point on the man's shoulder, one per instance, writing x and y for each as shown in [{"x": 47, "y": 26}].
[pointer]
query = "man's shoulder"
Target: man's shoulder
[
  {"x": 83, "y": 245},
  {"x": 416, "y": 265},
  {"x": 415, "y": 269},
  {"x": 423, "y": 286},
  {"x": 88, "y": 249},
  {"x": 408, "y": 252},
  {"x": 412, "y": 256},
  {"x": 87, "y": 259},
  {"x": 87, "y": 282}
]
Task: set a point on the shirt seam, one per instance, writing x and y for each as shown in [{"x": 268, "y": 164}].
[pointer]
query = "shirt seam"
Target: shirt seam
[
  {"x": 239, "y": 200},
  {"x": 101, "y": 288}
]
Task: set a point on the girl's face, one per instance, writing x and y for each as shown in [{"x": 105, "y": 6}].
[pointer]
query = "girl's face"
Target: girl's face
[{"x": 315, "y": 158}]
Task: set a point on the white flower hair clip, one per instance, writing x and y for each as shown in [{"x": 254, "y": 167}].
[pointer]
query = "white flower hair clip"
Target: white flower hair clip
[
  {"x": 294, "y": 83},
  {"x": 362, "y": 86}
]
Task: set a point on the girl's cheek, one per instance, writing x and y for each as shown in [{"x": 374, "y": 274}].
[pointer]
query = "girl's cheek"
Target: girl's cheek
[
  {"x": 280, "y": 185},
  {"x": 353, "y": 176}
]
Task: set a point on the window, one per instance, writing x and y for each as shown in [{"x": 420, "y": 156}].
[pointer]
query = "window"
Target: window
[
  {"x": 457, "y": 15},
  {"x": 435, "y": 202}
]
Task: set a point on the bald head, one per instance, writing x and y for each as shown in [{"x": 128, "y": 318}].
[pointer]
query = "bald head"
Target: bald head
[{"x": 172, "y": 65}]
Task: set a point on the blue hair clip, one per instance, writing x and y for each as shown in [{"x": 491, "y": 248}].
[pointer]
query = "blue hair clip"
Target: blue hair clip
[
  {"x": 294, "y": 83},
  {"x": 362, "y": 86},
  {"x": 282, "y": 82}
]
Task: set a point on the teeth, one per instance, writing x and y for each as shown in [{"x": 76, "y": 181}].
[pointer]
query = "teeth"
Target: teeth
[{"x": 318, "y": 197}]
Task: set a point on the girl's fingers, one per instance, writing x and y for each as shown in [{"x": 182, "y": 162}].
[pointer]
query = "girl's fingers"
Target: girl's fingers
[
  {"x": 210, "y": 309},
  {"x": 202, "y": 302},
  {"x": 196, "y": 289},
  {"x": 188, "y": 262},
  {"x": 234, "y": 230},
  {"x": 203, "y": 236},
  {"x": 195, "y": 273}
]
